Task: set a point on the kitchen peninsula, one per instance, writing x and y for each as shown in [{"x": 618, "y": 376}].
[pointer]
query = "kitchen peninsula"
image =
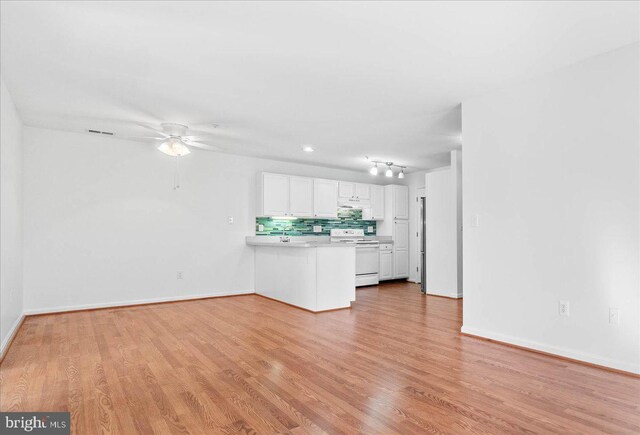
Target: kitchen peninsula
[{"x": 313, "y": 275}]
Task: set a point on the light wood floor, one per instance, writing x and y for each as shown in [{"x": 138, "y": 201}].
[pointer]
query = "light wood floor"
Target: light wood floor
[{"x": 395, "y": 363}]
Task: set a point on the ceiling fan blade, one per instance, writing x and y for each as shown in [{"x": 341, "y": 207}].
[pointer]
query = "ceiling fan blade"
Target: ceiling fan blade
[
  {"x": 214, "y": 134},
  {"x": 148, "y": 127},
  {"x": 202, "y": 145},
  {"x": 141, "y": 137}
]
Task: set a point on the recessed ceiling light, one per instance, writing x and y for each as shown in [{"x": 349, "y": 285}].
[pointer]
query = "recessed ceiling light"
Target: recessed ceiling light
[{"x": 308, "y": 149}]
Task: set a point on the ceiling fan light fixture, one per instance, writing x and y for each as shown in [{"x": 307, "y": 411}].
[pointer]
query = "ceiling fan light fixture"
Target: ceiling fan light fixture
[
  {"x": 401, "y": 174},
  {"x": 174, "y": 147},
  {"x": 374, "y": 169}
]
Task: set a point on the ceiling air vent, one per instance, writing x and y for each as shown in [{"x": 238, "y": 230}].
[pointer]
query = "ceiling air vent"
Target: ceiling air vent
[{"x": 108, "y": 133}]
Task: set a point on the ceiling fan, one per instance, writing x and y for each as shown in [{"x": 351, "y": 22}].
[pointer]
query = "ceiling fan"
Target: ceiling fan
[{"x": 175, "y": 140}]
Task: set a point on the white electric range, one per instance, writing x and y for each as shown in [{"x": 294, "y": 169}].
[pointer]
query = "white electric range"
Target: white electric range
[{"x": 367, "y": 254}]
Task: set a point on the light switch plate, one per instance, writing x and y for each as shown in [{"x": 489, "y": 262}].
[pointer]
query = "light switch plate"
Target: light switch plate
[
  {"x": 475, "y": 221},
  {"x": 230, "y": 220},
  {"x": 317, "y": 228}
]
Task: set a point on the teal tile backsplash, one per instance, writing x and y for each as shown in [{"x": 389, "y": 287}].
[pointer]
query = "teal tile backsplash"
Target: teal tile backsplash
[{"x": 347, "y": 218}]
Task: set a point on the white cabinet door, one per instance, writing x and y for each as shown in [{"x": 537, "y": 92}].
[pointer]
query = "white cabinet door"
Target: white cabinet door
[
  {"x": 275, "y": 195},
  {"x": 386, "y": 266},
  {"x": 401, "y": 266},
  {"x": 377, "y": 202},
  {"x": 400, "y": 202},
  {"x": 346, "y": 190},
  {"x": 401, "y": 235},
  {"x": 325, "y": 198},
  {"x": 362, "y": 191},
  {"x": 401, "y": 249},
  {"x": 301, "y": 196}
]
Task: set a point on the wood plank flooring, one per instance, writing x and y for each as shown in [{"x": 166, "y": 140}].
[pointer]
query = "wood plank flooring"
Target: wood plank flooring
[{"x": 394, "y": 363}]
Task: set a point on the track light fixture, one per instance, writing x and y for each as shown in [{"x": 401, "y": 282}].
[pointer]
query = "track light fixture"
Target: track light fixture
[{"x": 389, "y": 171}]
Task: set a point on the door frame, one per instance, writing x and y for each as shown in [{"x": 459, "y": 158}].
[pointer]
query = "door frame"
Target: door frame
[{"x": 421, "y": 192}]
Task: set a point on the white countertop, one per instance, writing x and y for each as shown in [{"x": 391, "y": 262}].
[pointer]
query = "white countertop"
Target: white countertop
[
  {"x": 293, "y": 243},
  {"x": 306, "y": 241}
]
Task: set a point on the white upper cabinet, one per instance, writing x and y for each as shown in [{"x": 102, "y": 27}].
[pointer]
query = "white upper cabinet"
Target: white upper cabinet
[
  {"x": 400, "y": 201},
  {"x": 325, "y": 198},
  {"x": 353, "y": 190},
  {"x": 273, "y": 195},
  {"x": 377, "y": 202},
  {"x": 301, "y": 196},
  {"x": 362, "y": 191},
  {"x": 346, "y": 190}
]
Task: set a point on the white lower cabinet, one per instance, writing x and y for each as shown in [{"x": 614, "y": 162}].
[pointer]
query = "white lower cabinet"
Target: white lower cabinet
[
  {"x": 386, "y": 265},
  {"x": 401, "y": 249},
  {"x": 401, "y": 264}
]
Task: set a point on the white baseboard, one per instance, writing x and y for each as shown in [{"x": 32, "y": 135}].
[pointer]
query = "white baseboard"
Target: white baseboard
[
  {"x": 134, "y": 302},
  {"x": 12, "y": 332},
  {"x": 555, "y": 350},
  {"x": 453, "y": 295}
]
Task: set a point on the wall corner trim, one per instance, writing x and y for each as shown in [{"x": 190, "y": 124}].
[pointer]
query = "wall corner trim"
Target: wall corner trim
[{"x": 6, "y": 344}]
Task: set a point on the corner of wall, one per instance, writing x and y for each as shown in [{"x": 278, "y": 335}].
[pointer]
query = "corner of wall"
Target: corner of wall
[{"x": 11, "y": 220}]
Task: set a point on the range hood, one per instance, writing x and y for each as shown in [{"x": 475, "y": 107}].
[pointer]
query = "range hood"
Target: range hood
[{"x": 360, "y": 204}]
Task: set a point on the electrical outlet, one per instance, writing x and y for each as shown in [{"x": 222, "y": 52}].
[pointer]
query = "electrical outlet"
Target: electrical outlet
[
  {"x": 260, "y": 227},
  {"x": 563, "y": 308},
  {"x": 317, "y": 228},
  {"x": 614, "y": 316},
  {"x": 180, "y": 275},
  {"x": 370, "y": 229},
  {"x": 230, "y": 220}
]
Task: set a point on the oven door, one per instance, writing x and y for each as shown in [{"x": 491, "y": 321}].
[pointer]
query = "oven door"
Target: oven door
[{"x": 367, "y": 260}]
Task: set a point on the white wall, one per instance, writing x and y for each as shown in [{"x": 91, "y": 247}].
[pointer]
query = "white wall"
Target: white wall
[
  {"x": 551, "y": 168},
  {"x": 443, "y": 236},
  {"x": 103, "y": 225},
  {"x": 11, "y": 290}
]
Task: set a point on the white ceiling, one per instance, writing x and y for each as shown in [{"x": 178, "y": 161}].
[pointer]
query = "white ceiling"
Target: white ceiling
[{"x": 383, "y": 79}]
